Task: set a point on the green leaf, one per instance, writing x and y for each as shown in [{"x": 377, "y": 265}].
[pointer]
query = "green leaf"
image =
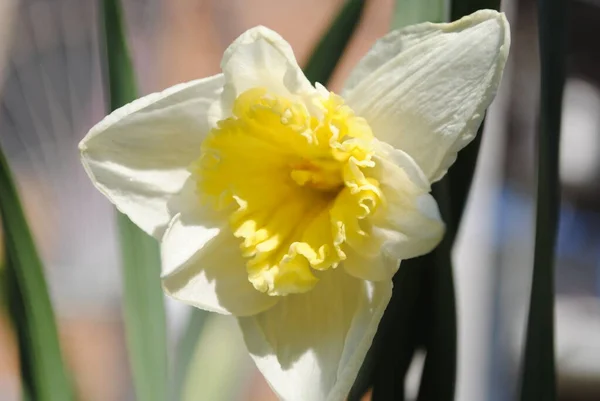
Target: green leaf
[
  {"x": 219, "y": 350},
  {"x": 42, "y": 368},
  {"x": 397, "y": 338},
  {"x": 460, "y": 177},
  {"x": 408, "y": 12},
  {"x": 326, "y": 55},
  {"x": 539, "y": 370},
  {"x": 145, "y": 322},
  {"x": 439, "y": 311},
  {"x": 185, "y": 350},
  {"x": 117, "y": 69}
]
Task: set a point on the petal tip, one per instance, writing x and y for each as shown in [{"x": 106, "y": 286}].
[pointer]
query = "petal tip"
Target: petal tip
[
  {"x": 259, "y": 32},
  {"x": 256, "y": 33}
]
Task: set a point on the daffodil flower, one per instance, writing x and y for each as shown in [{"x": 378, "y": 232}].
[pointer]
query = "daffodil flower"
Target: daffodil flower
[{"x": 291, "y": 207}]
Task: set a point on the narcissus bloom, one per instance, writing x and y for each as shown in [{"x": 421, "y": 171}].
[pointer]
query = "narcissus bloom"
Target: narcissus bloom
[{"x": 289, "y": 206}]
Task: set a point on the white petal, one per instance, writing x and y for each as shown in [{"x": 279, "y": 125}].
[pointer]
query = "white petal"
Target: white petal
[
  {"x": 310, "y": 346},
  {"x": 139, "y": 154},
  {"x": 407, "y": 225},
  {"x": 377, "y": 268},
  {"x": 189, "y": 230},
  {"x": 411, "y": 220},
  {"x": 424, "y": 89},
  {"x": 261, "y": 58},
  {"x": 413, "y": 231},
  {"x": 203, "y": 267}
]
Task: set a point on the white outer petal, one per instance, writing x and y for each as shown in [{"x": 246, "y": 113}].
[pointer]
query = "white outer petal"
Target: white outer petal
[
  {"x": 310, "y": 346},
  {"x": 138, "y": 155},
  {"x": 424, "y": 89},
  {"x": 213, "y": 278},
  {"x": 411, "y": 219},
  {"x": 260, "y": 57},
  {"x": 378, "y": 268},
  {"x": 191, "y": 228},
  {"x": 408, "y": 224}
]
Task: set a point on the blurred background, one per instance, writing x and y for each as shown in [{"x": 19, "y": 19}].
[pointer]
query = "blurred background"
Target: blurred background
[{"x": 51, "y": 94}]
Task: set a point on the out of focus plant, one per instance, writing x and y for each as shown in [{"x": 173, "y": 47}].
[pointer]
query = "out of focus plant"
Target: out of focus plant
[{"x": 43, "y": 372}]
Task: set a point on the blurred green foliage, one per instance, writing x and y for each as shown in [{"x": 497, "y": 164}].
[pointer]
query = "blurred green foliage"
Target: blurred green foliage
[
  {"x": 43, "y": 372},
  {"x": 408, "y": 12},
  {"x": 331, "y": 47},
  {"x": 144, "y": 312}
]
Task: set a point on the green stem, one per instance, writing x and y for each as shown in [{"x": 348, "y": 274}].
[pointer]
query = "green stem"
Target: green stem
[
  {"x": 145, "y": 320},
  {"x": 539, "y": 370}
]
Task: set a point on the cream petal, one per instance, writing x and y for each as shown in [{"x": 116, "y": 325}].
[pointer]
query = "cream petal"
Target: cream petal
[
  {"x": 310, "y": 346},
  {"x": 376, "y": 268},
  {"x": 138, "y": 155},
  {"x": 214, "y": 278},
  {"x": 191, "y": 228},
  {"x": 260, "y": 57},
  {"x": 410, "y": 222},
  {"x": 410, "y": 231},
  {"x": 407, "y": 225},
  {"x": 424, "y": 89}
]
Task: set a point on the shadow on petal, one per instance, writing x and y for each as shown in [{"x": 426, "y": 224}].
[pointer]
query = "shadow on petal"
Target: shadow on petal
[
  {"x": 215, "y": 279},
  {"x": 310, "y": 346}
]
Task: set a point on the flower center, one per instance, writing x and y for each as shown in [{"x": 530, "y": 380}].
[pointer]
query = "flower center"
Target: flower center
[{"x": 294, "y": 176}]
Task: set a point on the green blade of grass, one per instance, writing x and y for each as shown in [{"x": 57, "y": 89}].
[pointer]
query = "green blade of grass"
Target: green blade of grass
[
  {"x": 408, "y": 12},
  {"x": 326, "y": 55},
  {"x": 42, "y": 368},
  {"x": 117, "y": 70},
  {"x": 539, "y": 370},
  {"x": 185, "y": 350},
  {"x": 399, "y": 334},
  {"x": 220, "y": 351},
  {"x": 145, "y": 322},
  {"x": 438, "y": 380}
]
